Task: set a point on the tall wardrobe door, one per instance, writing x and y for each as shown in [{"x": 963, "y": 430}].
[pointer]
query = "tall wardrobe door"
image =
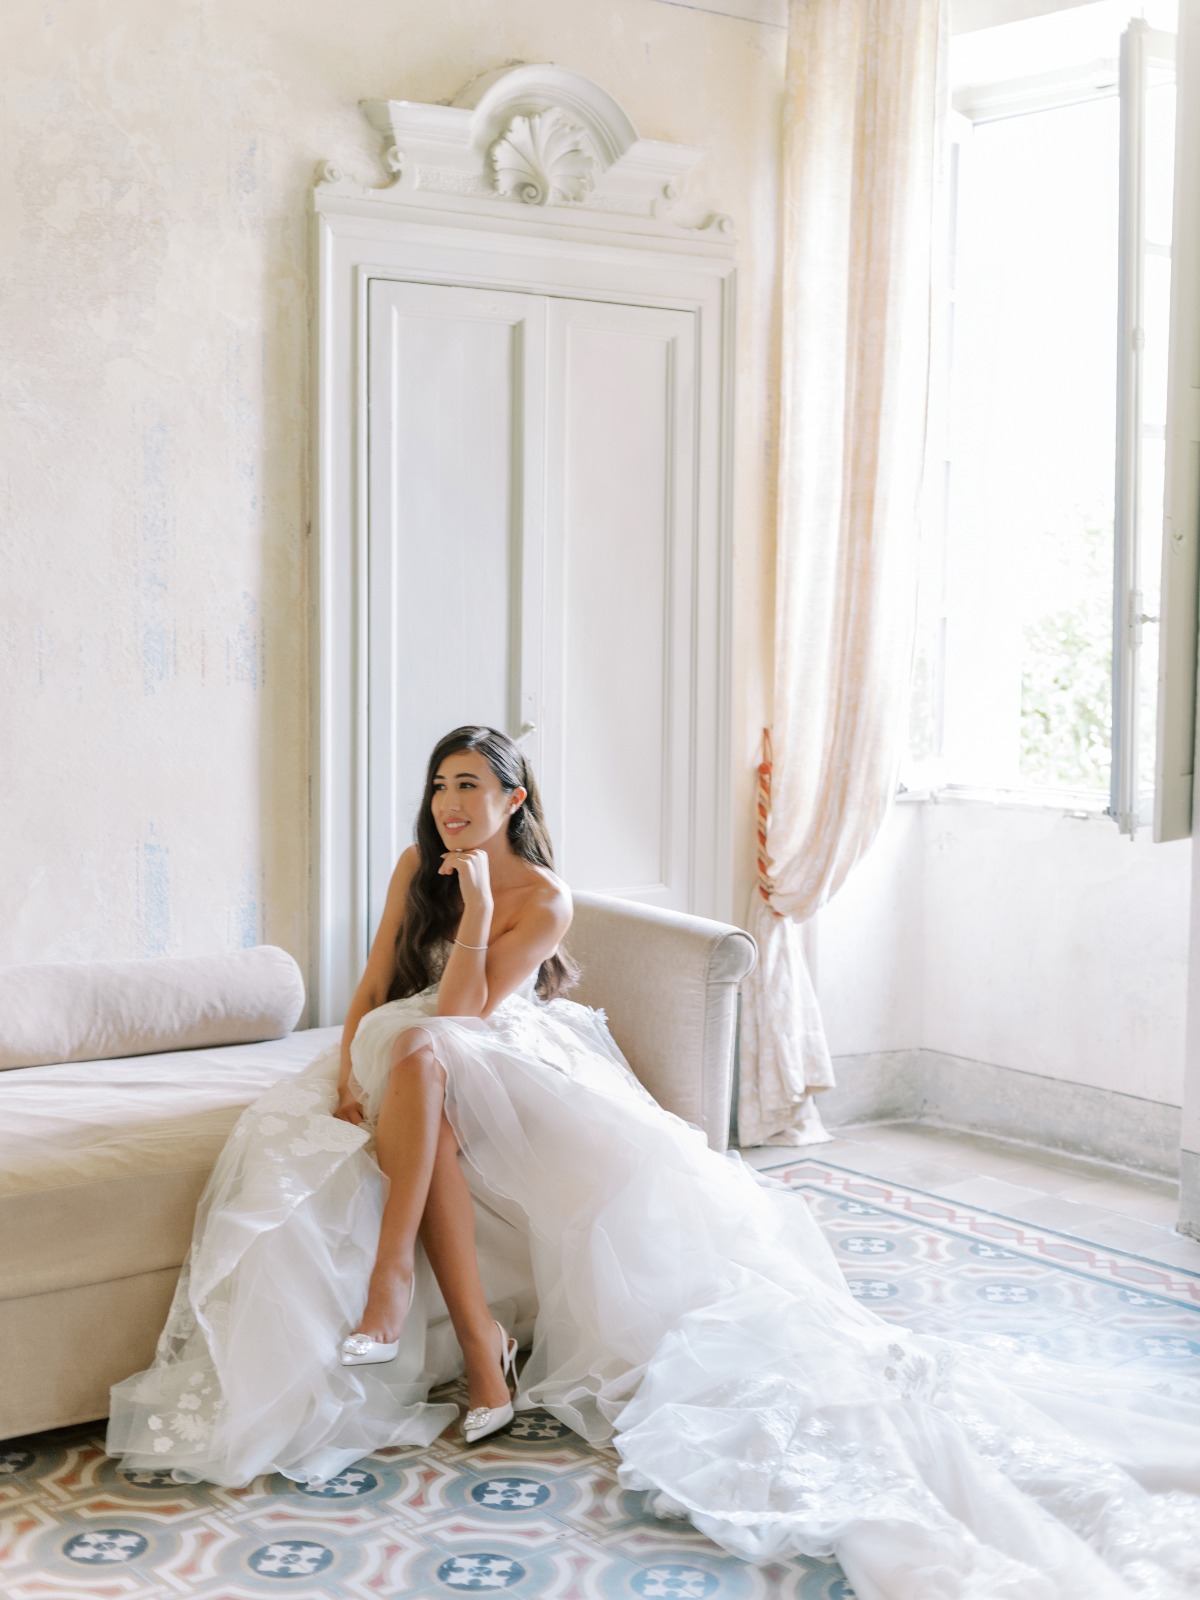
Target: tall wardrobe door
[
  {"x": 455, "y": 446},
  {"x": 617, "y": 747}
]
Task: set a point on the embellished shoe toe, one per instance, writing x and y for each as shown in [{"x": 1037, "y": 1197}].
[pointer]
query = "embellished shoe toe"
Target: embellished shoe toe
[
  {"x": 360, "y": 1350},
  {"x": 482, "y": 1420}
]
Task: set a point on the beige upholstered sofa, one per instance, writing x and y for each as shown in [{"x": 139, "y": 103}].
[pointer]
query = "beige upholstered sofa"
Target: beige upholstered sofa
[{"x": 102, "y": 1161}]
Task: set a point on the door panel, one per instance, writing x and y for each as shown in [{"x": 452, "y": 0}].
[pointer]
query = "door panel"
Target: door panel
[
  {"x": 531, "y": 512},
  {"x": 620, "y": 554},
  {"x": 455, "y": 439}
]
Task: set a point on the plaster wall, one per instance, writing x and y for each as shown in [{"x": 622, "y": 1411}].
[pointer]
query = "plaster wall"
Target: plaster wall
[
  {"x": 869, "y": 945},
  {"x": 1019, "y": 938},
  {"x": 154, "y": 589}
]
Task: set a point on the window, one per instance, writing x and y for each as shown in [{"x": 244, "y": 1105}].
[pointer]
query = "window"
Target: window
[{"x": 1036, "y": 665}]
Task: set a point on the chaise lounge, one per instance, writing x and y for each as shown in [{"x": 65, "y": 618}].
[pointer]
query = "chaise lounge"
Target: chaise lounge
[{"x": 119, "y": 1083}]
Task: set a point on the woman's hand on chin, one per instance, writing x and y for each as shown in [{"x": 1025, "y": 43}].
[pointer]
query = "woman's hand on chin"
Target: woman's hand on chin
[
  {"x": 349, "y": 1107},
  {"x": 474, "y": 874}
]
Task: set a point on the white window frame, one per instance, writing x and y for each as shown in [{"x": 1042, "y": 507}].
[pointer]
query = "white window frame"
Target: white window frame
[
  {"x": 1127, "y": 77},
  {"x": 1176, "y": 747},
  {"x": 1142, "y": 49}
]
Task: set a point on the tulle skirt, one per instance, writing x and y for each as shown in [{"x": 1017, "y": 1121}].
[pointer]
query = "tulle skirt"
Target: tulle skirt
[{"x": 678, "y": 1306}]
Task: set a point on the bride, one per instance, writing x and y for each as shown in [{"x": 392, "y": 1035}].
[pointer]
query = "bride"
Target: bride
[{"x": 687, "y": 1310}]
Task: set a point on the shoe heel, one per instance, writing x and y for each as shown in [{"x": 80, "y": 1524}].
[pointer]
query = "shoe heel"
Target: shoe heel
[
  {"x": 484, "y": 1420},
  {"x": 509, "y": 1357}
]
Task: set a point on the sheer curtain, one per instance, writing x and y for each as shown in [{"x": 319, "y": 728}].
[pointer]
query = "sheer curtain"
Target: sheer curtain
[{"x": 861, "y": 123}]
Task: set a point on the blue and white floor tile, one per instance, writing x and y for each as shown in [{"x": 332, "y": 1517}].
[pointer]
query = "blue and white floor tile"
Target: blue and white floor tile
[{"x": 537, "y": 1514}]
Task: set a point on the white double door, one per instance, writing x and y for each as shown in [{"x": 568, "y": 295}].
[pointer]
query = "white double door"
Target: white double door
[{"x": 531, "y": 486}]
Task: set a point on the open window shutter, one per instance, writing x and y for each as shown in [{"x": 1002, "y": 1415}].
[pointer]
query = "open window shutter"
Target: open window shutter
[{"x": 1175, "y": 767}]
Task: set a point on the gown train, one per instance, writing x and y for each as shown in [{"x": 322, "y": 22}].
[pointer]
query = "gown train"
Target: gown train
[{"x": 682, "y": 1308}]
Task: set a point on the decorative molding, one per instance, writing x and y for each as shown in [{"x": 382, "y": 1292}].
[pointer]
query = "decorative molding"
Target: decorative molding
[
  {"x": 496, "y": 98},
  {"x": 537, "y": 139},
  {"x": 543, "y": 157},
  {"x": 436, "y": 180},
  {"x": 767, "y": 13}
]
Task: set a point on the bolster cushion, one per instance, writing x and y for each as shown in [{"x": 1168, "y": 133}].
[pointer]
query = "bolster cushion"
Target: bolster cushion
[{"x": 97, "y": 1010}]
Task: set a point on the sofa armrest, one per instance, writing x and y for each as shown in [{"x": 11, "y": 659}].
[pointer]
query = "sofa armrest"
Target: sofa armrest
[{"x": 669, "y": 984}]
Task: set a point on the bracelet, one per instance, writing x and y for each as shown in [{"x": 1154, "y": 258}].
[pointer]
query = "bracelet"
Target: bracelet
[{"x": 469, "y": 946}]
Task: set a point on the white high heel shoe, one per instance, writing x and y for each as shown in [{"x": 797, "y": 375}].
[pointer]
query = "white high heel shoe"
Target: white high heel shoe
[
  {"x": 482, "y": 1420},
  {"x": 360, "y": 1350}
]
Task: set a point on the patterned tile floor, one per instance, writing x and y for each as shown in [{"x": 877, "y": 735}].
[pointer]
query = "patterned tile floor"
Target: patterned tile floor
[{"x": 935, "y": 1230}]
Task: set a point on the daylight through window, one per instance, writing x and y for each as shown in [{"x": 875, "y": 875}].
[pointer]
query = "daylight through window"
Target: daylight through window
[{"x": 1028, "y": 581}]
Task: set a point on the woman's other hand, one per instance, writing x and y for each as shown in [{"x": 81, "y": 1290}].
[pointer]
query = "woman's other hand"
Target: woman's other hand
[{"x": 349, "y": 1107}]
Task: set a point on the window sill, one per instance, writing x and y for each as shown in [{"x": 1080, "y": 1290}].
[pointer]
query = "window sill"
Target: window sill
[{"x": 1083, "y": 807}]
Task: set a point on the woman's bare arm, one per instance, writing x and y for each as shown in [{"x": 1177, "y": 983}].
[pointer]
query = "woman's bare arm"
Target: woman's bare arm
[
  {"x": 376, "y": 980},
  {"x": 474, "y": 982}
]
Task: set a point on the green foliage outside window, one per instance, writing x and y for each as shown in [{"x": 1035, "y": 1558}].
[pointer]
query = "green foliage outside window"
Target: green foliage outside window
[{"x": 1066, "y": 677}]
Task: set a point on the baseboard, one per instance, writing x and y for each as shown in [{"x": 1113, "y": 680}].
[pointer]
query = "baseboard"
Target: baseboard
[
  {"x": 1189, "y": 1193},
  {"x": 884, "y": 1087},
  {"x": 927, "y": 1086}
]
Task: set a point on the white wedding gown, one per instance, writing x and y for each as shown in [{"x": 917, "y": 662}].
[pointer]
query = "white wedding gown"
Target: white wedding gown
[{"x": 686, "y": 1310}]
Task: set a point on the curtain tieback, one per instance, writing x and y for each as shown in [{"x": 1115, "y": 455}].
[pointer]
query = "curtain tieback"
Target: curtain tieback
[{"x": 763, "y": 810}]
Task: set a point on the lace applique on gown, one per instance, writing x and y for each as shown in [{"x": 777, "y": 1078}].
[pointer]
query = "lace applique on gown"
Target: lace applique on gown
[{"x": 687, "y": 1311}]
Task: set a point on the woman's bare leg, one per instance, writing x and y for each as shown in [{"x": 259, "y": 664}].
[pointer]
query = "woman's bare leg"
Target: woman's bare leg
[
  {"x": 427, "y": 1194},
  {"x": 448, "y": 1234},
  {"x": 406, "y": 1141}
]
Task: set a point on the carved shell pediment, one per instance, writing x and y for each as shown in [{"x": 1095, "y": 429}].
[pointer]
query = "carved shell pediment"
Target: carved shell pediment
[
  {"x": 543, "y": 159},
  {"x": 541, "y": 136}
]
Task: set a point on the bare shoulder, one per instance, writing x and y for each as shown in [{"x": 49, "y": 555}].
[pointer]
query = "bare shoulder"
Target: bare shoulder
[
  {"x": 406, "y": 865},
  {"x": 402, "y": 876},
  {"x": 550, "y": 897}
]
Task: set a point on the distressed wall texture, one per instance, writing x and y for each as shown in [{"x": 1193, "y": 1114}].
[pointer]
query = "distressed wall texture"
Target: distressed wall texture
[
  {"x": 154, "y": 448},
  {"x": 1023, "y": 939}
]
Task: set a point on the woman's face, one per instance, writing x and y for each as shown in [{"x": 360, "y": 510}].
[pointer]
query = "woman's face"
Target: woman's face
[{"x": 469, "y": 804}]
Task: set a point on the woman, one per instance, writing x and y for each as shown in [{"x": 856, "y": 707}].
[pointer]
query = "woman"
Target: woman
[
  {"x": 685, "y": 1309},
  {"x": 498, "y": 918}
]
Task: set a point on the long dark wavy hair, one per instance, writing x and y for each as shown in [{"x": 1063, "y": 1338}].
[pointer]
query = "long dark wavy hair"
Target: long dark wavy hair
[{"x": 435, "y": 904}]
